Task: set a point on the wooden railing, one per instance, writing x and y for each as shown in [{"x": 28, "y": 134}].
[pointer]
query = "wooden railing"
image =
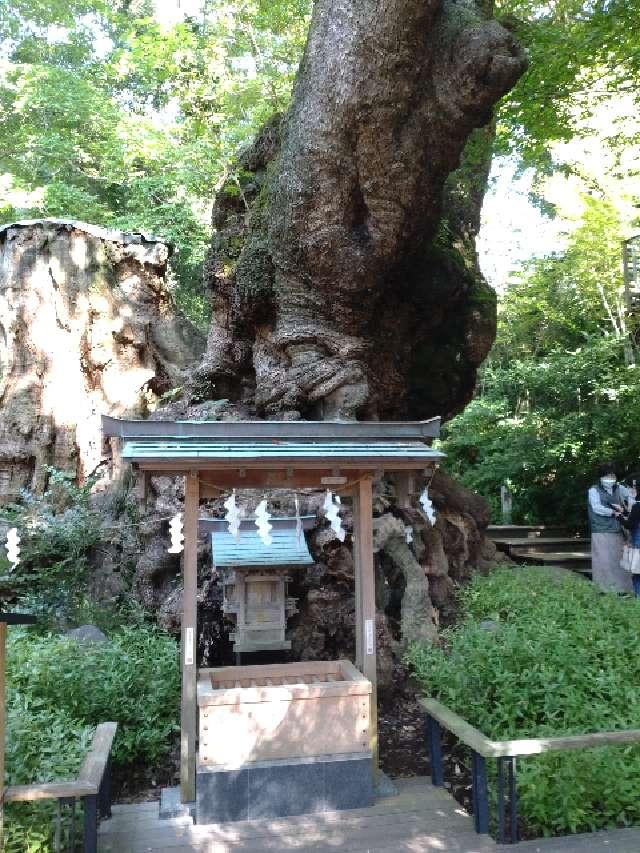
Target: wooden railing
[
  {"x": 92, "y": 786},
  {"x": 439, "y": 717}
]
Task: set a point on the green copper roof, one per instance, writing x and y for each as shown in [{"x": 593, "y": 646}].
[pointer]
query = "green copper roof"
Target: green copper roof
[
  {"x": 277, "y": 451},
  {"x": 285, "y": 550}
]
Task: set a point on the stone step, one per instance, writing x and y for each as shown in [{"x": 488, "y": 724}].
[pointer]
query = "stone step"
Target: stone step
[
  {"x": 512, "y": 531},
  {"x": 549, "y": 543},
  {"x": 577, "y": 561}
]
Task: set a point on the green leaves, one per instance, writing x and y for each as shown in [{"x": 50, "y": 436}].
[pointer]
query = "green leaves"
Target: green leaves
[
  {"x": 109, "y": 115},
  {"x": 581, "y": 54},
  {"x": 558, "y": 663},
  {"x": 59, "y": 690},
  {"x": 58, "y": 531},
  {"x": 557, "y": 394}
]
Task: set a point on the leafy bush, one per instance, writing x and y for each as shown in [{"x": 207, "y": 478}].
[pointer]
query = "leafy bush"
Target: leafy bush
[
  {"x": 134, "y": 679},
  {"x": 560, "y": 659},
  {"x": 59, "y": 690},
  {"x": 43, "y": 745},
  {"x": 58, "y": 530}
]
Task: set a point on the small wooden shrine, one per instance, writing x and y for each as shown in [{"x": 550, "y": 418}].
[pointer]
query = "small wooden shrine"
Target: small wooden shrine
[
  {"x": 313, "y": 774},
  {"x": 255, "y": 578}
]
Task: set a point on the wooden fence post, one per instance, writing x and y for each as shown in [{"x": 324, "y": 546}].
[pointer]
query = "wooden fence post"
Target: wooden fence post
[{"x": 189, "y": 636}]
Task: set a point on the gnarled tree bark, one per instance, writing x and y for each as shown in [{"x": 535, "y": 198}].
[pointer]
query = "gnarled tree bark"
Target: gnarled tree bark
[{"x": 344, "y": 275}]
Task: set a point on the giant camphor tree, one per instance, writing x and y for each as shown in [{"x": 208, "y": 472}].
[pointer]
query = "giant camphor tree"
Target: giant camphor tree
[{"x": 343, "y": 270}]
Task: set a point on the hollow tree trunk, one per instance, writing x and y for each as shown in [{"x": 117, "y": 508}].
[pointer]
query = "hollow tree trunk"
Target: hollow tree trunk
[{"x": 344, "y": 274}]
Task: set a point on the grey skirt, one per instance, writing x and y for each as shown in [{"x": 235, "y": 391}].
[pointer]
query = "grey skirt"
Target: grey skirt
[{"x": 606, "y": 553}]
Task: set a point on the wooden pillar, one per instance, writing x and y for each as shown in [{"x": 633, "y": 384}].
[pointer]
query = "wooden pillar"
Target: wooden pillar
[
  {"x": 366, "y": 600},
  {"x": 405, "y": 487},
  {"x": 188, "y": 718},
  {"x": 357, "y": 575}
]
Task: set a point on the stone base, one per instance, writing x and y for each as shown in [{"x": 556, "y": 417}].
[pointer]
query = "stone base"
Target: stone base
[
  {"x": 171, "y": 805},
  {"x": 385, "y": 787},
  {"x": 283, "y": 788}
]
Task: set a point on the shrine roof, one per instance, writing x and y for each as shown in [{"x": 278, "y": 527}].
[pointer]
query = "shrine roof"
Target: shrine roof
[
  {"x": 296, "y": 431},
  {"x": 285, "y": 550},
  {"x": 344, "y": 454},
  {"x": 373, "y": 445}
]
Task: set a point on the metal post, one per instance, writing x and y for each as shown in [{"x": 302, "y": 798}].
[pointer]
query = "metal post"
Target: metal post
[
  {"x": 70, "y": 802},
  {"x": 57, "y": 835},
  {"x": 72, "y": 836},
  {"x": 105, "y": 792},
  {"x": 434, "y": 745},
  {"x": 90, "y": 835},
  {"x": 480, "y": 794},
  {"x": 513, "y": 800},
  {"x": 501, "y": 805}
]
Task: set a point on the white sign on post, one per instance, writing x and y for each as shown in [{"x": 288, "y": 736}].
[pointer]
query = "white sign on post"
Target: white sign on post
[
  {"x": 368, "y": 631},
  {"x": 188, "y": 647}
]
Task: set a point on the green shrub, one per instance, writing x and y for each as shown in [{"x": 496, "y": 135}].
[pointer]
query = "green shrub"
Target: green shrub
[
  {"x": 58, "y": 531},
  {"x": 560, "y": 659},
  {"x": 134, "y": 680},
  {"x": 59, "y": 690},
  {"x": 43, "y": 745}
]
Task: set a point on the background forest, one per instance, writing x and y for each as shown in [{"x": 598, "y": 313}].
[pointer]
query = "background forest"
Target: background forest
[{"x": 128, "y": 113}]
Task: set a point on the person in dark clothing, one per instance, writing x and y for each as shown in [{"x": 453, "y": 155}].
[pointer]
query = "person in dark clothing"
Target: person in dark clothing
[{"x": 632, "y": 523}]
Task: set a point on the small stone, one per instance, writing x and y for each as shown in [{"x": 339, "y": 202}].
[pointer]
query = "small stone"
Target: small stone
[
  {"x": 87, "y": 634},
  {"x": 489, "y": 625}
]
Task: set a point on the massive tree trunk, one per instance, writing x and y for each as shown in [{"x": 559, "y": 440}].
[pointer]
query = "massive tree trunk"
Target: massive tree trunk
[
  {"x": 344, "y": 275},
  {"x": 88, "y": 327}
]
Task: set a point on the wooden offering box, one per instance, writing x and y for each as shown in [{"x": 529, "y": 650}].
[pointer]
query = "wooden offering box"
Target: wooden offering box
[{"x": 252, "y": 714}]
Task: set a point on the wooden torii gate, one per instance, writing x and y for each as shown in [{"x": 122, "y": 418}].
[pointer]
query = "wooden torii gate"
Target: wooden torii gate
[{"x": 214, "y": 455}]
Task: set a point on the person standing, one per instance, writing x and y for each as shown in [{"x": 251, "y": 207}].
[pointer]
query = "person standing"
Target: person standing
[
  {"x": 632, "y": 523},
  {"x": 606, "y": 501}
]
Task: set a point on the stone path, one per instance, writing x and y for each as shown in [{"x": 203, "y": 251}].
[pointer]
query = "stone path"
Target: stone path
[{"x": 419, "y": 819}]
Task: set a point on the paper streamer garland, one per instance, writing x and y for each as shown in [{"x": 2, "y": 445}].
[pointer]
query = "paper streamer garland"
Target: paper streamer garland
[
  {"x": 427, "y": 506},
  {"x": 13, "y": 546},
  {"x": 177, "y": 535},
  {"x": 262, "y": 523},
  {"x": 331, "y": 510},
  {"x": 233, "y": 516}
]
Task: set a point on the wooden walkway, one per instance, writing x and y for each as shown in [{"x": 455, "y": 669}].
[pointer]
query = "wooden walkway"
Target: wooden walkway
[{"x": 420, "y": 819}]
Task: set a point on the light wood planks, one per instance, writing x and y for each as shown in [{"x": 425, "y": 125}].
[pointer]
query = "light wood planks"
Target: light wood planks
[
  {"x": 469, "y": 735},
  {"x": 418, "y": 819},
  {"x": 89, "y": 778},
  {"x": 94, "y": 764},
  {"x": 366, "y": 602},
  {"x": 48, "y": 791}
]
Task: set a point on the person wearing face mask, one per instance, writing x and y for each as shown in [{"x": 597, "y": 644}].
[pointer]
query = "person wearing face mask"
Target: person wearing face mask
[{"x": 606, "y": 503}]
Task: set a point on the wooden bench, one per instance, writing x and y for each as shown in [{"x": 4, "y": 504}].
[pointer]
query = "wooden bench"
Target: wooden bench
[{"x": 92, "y": 786}]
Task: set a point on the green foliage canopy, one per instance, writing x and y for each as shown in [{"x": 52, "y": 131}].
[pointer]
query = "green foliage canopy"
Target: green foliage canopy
[
  {"x": 559, "y": 392},
  {"x": 110, "y": 116}
]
